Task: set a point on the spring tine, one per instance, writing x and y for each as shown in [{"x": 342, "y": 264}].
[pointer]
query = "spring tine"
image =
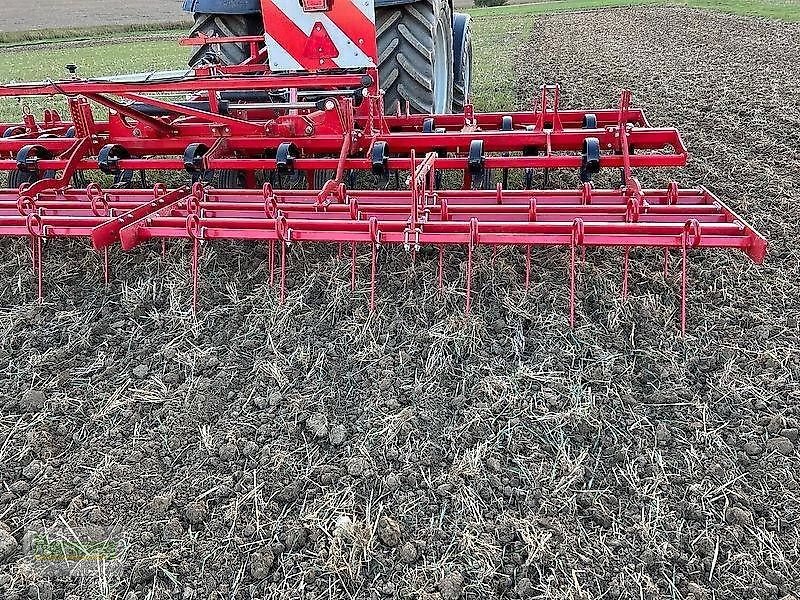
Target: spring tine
[
  {"x": 105, "y": 265},
  {"x": 469, "y": 277},
  {"x": 684, "y": 259},
  {"x": 373, "y": 275},
  {"x": 38, "y": 267},
  {"x": 473, "y": 239},
  {"x": 283, "y": 272},
  {"x": 666, "y": 263},
  {"x": 163, "y": 248},
  {"x": 440, "y": 273},
  {"x": 576, "y": 239},
  {"x": 527, "y": 267},
  {"x": 352, "y": 266},
  {"x": 271, "y": 261},
  {"x": 625, "y": 257},
  {"x": 34, "y": 259},
  {"x": 34, "y": 263},
  {"x": 572, "y": 285},
  {"x": 195, "y": 271}
]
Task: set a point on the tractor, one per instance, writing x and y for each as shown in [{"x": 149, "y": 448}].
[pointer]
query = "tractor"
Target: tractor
[
  {"x": 424, "y": 47},
  {"x": 345, "y": 123}
]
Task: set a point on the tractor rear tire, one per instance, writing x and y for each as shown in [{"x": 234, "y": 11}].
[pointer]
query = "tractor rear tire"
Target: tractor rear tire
[
  {"x": 415, "y": 56},
  {"x": 17, "y": 178},
  {"x": 224, "y": 179},
  {"x": 462, "y": 63},
  {"x": 214, "y": 25}
]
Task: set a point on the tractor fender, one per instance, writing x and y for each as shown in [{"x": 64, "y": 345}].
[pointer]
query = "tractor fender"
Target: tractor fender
[{"x": 223, "y": 7}]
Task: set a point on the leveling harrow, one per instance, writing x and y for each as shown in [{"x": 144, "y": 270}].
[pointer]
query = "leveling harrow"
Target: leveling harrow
[{"x": 286, "y": 157}]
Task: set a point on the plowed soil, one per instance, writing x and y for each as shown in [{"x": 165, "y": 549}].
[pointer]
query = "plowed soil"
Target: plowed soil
[{"x": 315, "y": 451}]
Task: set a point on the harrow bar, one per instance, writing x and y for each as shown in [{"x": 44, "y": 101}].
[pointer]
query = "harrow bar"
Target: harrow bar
[
  {"x": 500, "y": 217},
  {"x": 298, "y": 131},
  {"x": 670, "y": 219}
]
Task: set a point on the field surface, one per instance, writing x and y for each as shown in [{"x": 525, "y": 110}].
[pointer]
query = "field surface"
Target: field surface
[
  {"x": 313, "y": 450},
  {"x": 22, "y": 15},
  {"x": 24, "y": 19}
]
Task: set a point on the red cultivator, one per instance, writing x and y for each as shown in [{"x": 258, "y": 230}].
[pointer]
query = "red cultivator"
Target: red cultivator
[{"x": 293, "y": 158}]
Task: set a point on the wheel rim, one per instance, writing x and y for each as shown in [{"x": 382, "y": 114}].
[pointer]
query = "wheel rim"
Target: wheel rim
[{"x": 440, "y": 73}]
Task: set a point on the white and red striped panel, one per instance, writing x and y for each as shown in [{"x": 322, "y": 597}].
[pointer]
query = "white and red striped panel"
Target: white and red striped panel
[{"x": 342, "y": 37}]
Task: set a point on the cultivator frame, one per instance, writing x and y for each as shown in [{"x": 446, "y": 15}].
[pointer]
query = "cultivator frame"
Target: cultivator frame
[{"x": 329, "y": 128}]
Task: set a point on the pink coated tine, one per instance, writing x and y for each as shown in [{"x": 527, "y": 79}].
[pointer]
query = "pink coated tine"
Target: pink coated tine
[
  {"x": 689, "y": 239},
  {"x": 672, "y": 199},
  {"x": 473, "y": 241},
  {"x": 100, "y": 208},
  {"x": 586, "y": 193},
  {"x": 625, "y": 259},
  {"x": 532, "y": 218},
  {"x": 355, "y": 215},
  {"x": 271, "y": 210},
  {"x": 33, "y": 222},
  {"x": 374, "y": 234},
  {"x": 444, "y": 215},
  {"x": 195, "y": 232},
  {"x": 575, "y": 241},
  {"x": 282, "y": 231}
]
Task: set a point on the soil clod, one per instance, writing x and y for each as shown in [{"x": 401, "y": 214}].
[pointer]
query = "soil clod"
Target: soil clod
[
  {"x": 389, "y": 531},
  {"x": 33, "y": 400},
  {"x": 337, "y": 435},
  {"x": 408, "y": 552},
  {"x": 196, "y": 512},
  {"x": 781, "y": 444},
  {"x": 261, "y": 562},
  {"x": 317, "y": 425},
  {"x": 8, "y": 544},
  {"x": 451, "y": 586}
]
